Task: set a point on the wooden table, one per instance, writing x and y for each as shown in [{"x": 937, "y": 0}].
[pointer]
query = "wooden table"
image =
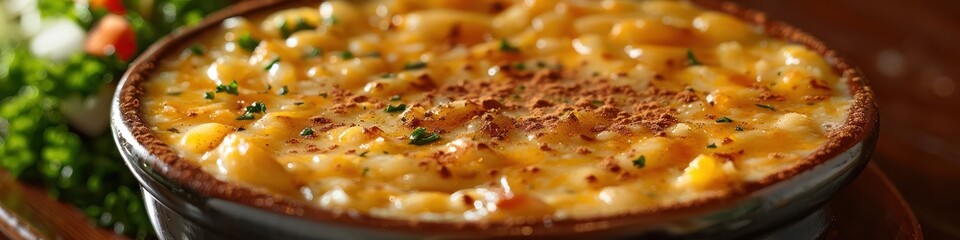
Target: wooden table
[{"x": 909, "y": 50}]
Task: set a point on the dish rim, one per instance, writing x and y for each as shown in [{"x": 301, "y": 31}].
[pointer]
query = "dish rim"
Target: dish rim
[{"x": 129, "y": 124}]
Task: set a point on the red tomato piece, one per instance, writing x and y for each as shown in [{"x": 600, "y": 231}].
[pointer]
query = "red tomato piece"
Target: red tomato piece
[
  {"x": 112, "y": 35},
  {"x": 113, "y": 6}
]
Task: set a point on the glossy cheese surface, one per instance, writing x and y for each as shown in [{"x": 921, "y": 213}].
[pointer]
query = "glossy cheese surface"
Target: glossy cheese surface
[{"x": 493, "y": 109}]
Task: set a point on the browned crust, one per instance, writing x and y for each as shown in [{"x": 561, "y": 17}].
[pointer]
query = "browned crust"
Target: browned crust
[{"x": 861, "y": 123}]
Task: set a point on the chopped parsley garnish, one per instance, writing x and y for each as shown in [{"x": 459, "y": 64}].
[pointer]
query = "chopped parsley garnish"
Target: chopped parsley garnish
[
  {"x": 306, "y": 132},
  {"x": 257, "y": 107},
  {"x": 174, "y": 93},
  {"x": 196, "y": 49},
  {"x": 388, "y": 75},
  {"x": 346, "y": 55},
  {"x": 398, "y": 108},
  {"x": 414, "y": 66},
  {"x": 395, "y": 98},
  {"x": 246, "y": 116},
  {"x": 364, "y": 153},
  {"x": 724, "y": 120},
  {"x": 766, "y": 106},
  {"x": 271, "y": 63},
  {"x": 692, "y": 59},
  {"x": 284, "y": 90},
  {"x": 312, "y": 52},
  {"x": 420, "y": 137},
  {"x": 324, "y": 95},
  {"x": 301, "y": 25},
  {"x": 232, "y": 88},
  {"x": 597, "y": 102},
  {"x": 519, "y": 66},
  {"x": 506, "y": 47},
  {"x": 712, "y": 145},
  {"x": 738, "y": 128},
  {"x": 541, "y": 64},
  {"x": 248, "y": 42},
  {"x": 365, "y": 171},
  {"x": 372, "y": 55},
  {"x": 208, "y": 95},
  {"x": 640, "y": 162},
  {"x": 522, "y": 87}
]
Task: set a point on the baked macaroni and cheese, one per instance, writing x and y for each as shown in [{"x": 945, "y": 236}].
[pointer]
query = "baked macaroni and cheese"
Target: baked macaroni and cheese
[{"x": 463, "y": 110}]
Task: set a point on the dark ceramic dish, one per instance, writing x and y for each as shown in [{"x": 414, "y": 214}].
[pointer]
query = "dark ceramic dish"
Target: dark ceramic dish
[{"x": 185, "y": 202}]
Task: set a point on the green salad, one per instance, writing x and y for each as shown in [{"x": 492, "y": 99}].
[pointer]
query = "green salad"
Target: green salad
[{"x": 57, "y": 71}]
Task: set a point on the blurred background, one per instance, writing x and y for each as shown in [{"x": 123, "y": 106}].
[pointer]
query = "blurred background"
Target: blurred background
[
  {"x": 908, "y": 50},
  {"x": 56, "y": 76}
]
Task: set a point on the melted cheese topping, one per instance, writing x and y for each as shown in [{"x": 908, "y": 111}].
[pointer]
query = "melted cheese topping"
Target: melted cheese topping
[{"x": 485, "y": 110}]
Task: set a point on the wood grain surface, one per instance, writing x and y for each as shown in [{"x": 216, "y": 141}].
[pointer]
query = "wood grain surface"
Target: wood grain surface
[
  {"x": 27, "y": 212},
  {"x": 909, "y": 51}
]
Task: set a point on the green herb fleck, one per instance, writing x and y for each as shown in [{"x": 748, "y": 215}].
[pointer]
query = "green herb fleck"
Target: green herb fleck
[
  {"x": 324, "y": 95},
  {"x": 388, "y": 75},
  {"x": 250, "y": 111},
  {"x": 248, "y": 42},
  {"x": 597, "y": 102},
  {"x": 306, "y": 132},
  {"x": 208, "y": 95},
  {"x": 520, "y": 66},
  {"x": 246, "y": 116},
  {"x": 712, "y": 145},
  {"x": 420, "y": 137},
  {"x": 398, "y": 108},
  {"x": 364, "y": 153},
  {"x": 372, "y": 55},
  {"x": 284, "y": 90},
  {"x": 196, "y": 49},
  {"x": 766, "y": 106},
  {"x": 271, "y": 63},
  {"x": 346, "y": 55},
  {"x": 724, "y": 120},
  {"x": 312, "y": 52},
  {"x": 541, "y": 64},
  {"x": 522, "y": 87},
  {"x": 174, "y": 93},
  {"x": 395, "y": 98},
  {"x": 414, "y": 66},
  {"x": 232, "y": 88},
  {"x": 692, "y": 59},
  {"x": 257, "y": 107},
  {"x": 286, "y": 31},
  {"x": 506, "y": 47},
  {"x": 366, "y": 170},
  {"x": 640, "y": 162}
]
